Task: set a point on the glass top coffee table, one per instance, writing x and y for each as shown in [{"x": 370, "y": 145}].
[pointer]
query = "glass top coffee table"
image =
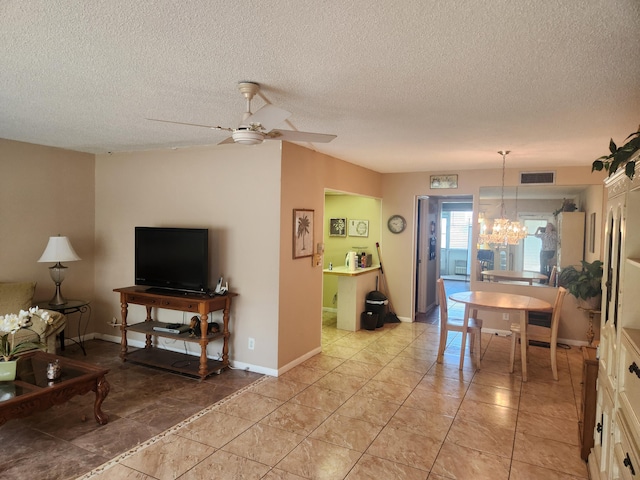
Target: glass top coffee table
[{"x": 32, "y": 392}]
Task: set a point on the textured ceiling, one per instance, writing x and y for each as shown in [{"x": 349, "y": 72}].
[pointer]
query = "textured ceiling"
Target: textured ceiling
[{"x": 406, "y": 85}]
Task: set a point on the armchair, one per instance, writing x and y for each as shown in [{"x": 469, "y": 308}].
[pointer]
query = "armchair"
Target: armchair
[{"x": 18, "y": 296}]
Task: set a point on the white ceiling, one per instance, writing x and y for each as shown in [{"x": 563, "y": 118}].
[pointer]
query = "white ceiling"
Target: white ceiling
[{"x": 407, "y": 85}]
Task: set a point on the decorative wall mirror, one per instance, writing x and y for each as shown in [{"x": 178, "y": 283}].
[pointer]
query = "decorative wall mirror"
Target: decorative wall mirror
[{"x": 535, "y": 207}]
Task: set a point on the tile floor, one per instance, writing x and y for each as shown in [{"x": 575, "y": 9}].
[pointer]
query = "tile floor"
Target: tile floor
[
  {"x": 65, "y": 441},
  {"x": 373, "y": 404}
]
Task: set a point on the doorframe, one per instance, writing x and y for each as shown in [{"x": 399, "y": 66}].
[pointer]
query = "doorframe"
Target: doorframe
[{"x": 422, "y": 249}]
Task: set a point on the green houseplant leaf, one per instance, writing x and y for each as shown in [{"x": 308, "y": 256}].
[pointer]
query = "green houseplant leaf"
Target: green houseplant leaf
[
  {"x": 585, "y": 283},
  {"x": 619, "y": 156}
]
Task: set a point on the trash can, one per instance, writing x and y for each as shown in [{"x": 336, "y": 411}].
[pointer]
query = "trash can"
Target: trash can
[
  {"x": 368, "y": 320},
  {"x": 376, "y": 302}
]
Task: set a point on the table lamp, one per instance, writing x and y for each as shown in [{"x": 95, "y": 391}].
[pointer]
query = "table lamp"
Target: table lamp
[{"x": 58, "y": 250}]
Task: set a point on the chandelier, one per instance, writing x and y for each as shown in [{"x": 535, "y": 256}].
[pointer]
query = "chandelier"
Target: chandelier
[{"x": 504, "y": 231}]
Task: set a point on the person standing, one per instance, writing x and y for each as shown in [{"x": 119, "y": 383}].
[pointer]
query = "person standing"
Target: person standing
[{"x": 549, "y": 238}]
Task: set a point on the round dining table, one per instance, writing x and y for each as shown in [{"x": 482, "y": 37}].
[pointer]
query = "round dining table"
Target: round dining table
[
  {"x": 519, "y": 305},
  {"x": 515, "y": 275}
]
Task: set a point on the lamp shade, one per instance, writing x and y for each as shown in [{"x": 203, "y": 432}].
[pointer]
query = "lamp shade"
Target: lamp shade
[{"x": 59, "y": 249}]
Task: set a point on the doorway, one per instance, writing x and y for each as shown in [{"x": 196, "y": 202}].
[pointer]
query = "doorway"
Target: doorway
[{"x": 444, "y": 236}]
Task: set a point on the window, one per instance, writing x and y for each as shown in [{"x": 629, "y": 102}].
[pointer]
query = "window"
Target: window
[
  {"x": 443, "y": 232},
  {"x": 532, "y": 245},
  {"x": 459, "y": 229}
]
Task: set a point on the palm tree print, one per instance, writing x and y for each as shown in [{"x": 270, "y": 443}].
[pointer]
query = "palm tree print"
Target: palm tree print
[{"x": 303, "y": 229}]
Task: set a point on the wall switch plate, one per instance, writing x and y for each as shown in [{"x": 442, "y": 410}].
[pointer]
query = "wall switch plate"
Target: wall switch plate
[
  {"x": 252, "y": 343},
  {"x": 505, "y": 316}
]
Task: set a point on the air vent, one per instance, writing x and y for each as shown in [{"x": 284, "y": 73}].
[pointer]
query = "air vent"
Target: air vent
[{"x": 537, "y": 178}]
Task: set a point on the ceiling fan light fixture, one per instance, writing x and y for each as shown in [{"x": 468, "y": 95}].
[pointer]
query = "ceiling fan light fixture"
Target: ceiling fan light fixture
[
  {"x": 256, "y": 127},
  {"x": 247, "y": 137}
]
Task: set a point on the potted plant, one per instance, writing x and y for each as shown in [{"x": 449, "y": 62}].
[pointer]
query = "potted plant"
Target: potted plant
[
  {"x": 584, "y": 284},
  {"x": 568, "y": 205},
  {"x": 9, "y": 348},
  {"x": 620, "y": 157}
]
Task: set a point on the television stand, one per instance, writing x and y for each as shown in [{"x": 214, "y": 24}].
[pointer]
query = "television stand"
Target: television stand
[
  {"x": 177, "y": 362},
  {"x": 174, "y": 293}
]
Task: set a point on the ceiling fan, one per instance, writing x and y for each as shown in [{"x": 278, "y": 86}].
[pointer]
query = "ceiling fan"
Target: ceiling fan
[{"x": 254, "y": 128}]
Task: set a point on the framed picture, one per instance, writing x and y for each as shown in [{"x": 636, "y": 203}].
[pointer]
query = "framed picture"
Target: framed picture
[
  {"x": 444, "y": 181},
  {"x": 302, "y": 233},
  {"x": 358, "y": 228},
  {"x": 338, "y": 227}
]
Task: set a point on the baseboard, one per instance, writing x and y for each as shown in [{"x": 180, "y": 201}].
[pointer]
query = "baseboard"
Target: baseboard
[
  {"x": 70, "y": 341},
  {"x": 298, "y": 361}
]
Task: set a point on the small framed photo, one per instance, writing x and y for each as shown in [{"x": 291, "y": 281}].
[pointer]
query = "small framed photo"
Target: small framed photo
[
  {"x": 444, "y": 181},
  {"x": 302, "y": 233},
  {"x": 358, "y": 228},
  {"x": 338, "y": 227}
]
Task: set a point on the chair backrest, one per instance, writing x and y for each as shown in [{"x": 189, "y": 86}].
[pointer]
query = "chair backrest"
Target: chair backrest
[
  {"x": 442, "y": 299},
  {"x": 557, "y": 309},
  {"x": 552, "y": 276}
]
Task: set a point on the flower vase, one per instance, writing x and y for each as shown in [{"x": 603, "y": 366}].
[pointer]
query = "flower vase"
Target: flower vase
[{"x": 8, "y": 371}]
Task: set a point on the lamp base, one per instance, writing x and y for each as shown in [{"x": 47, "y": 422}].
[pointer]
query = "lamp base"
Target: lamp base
[{"x": 57, "y": 299}]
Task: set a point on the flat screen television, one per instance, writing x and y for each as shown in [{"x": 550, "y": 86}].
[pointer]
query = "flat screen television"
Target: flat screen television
[{"x": 172, "y": 258}]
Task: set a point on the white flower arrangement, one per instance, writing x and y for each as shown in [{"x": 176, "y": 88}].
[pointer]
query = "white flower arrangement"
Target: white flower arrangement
[{"x": 11, "y": 323}]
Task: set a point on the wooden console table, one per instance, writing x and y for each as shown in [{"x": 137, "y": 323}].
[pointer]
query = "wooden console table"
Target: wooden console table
[{"x": 178, "y": 362}]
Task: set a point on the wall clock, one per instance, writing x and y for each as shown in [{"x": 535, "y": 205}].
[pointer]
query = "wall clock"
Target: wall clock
[{"x": 396, "y": 224}]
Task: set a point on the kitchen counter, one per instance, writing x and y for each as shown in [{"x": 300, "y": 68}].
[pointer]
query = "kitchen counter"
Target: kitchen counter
[
  {"x": 344, "y": 270},
  {"x": 353, "y": 288}
]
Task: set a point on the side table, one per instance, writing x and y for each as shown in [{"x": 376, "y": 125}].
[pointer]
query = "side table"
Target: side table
[{"x": 81, "y": 307}]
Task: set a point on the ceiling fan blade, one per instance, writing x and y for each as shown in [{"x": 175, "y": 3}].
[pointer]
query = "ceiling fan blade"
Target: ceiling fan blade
[
  {"x": 293, "y": 136},
  {"x": 226, "y": 140},
  {"x": 268, "y": 116},
  {"x": 191, "y": 124}
]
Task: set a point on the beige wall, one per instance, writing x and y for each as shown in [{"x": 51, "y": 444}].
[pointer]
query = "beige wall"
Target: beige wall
[
  {"x": 305, "y": 175},
  {"x": 45, "y": 192},
  {"x": 245, "y": 196},
  {"x": 400, "y": 194},
  {"x": 233, "y": 191}
]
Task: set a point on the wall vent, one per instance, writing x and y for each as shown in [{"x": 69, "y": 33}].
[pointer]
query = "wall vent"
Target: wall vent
[{"x": 537, "y": 178}]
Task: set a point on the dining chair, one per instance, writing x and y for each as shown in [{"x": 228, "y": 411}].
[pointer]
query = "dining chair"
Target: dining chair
[
  {"x": 552, "y": 336},
  {"x": 447, "y": 324}
]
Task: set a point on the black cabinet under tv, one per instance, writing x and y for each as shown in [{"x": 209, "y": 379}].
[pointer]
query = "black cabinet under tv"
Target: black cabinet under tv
[{"x": 151, "y": 355}]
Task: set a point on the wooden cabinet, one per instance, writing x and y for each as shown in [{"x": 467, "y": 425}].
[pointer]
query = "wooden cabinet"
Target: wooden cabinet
[
  {"x": 616, "y": 451},
  {"x": 570, "y": 239},
  {"x": 588, "y": 400},
  {"x": 178, "y": 362}
]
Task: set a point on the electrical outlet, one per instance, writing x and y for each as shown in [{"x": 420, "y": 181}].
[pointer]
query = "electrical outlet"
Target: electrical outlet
[
  {"x": 252, "y": 343},
  {"x": 505, "y": 316}
]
